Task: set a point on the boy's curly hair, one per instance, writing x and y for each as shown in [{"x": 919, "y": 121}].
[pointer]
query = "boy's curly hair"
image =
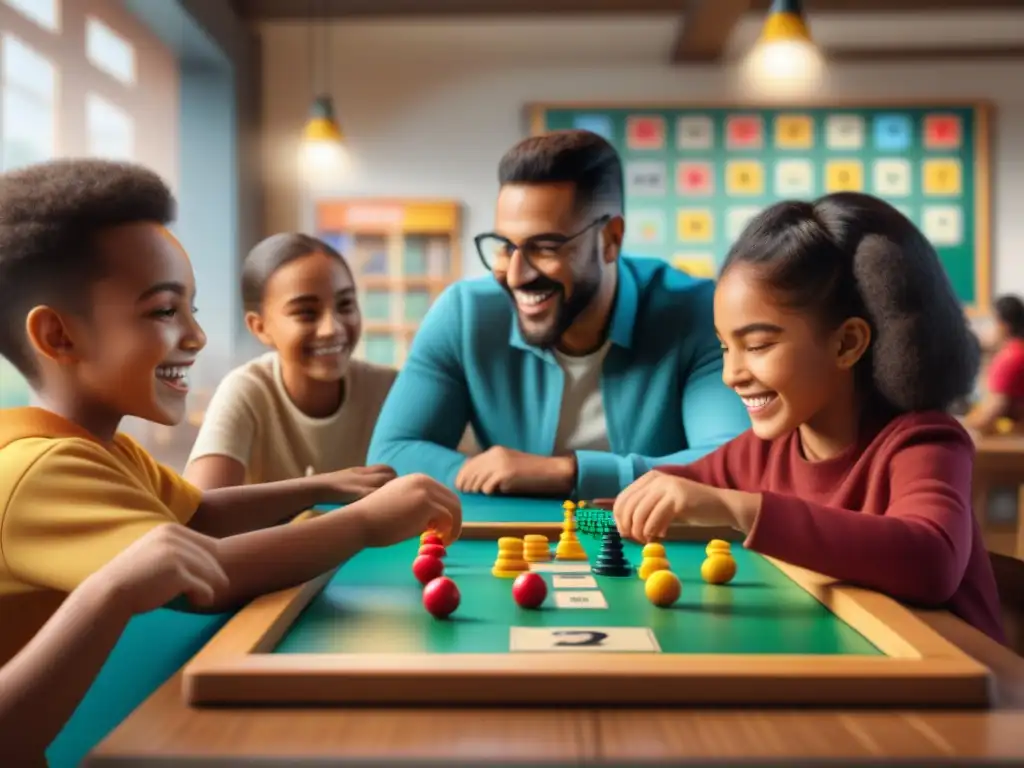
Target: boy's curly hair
[
  {"x": 853, "y": 255},
  {"x": 49, "y": 215}
]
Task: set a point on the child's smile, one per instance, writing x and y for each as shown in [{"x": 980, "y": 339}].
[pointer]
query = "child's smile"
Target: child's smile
[
  {"x": 175, "y": 376},
  {"x": 787, "y": 368},
  {"x": 757, "y": 404}
]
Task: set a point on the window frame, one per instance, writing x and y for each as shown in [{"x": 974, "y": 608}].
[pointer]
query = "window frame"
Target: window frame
[{"x": 76, "y": 75}]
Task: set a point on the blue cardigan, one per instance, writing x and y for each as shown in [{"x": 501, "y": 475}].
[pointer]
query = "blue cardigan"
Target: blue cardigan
[{"x": 664, "y": 399}]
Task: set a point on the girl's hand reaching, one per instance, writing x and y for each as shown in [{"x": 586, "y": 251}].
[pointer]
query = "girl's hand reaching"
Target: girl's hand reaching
[{"x": 645, "y": 510}]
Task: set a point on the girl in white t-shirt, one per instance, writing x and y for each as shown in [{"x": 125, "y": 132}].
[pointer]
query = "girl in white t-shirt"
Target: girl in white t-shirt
[{"x": 306, "y": 407}]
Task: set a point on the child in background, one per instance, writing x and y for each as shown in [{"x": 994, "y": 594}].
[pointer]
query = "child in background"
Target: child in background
[
  {"x": 41, "y": 686},
  {"x": 306, "y": 405},
  {"x": 1004, "y": 400},
  {"x": 96, "y": 312},
  {"x": 843, "y": 337}
]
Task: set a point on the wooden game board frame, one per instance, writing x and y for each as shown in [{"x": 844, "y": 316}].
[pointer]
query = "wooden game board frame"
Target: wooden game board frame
[
  {"x": 983, "y": 113},
  {"x": 919, "y": 667}
]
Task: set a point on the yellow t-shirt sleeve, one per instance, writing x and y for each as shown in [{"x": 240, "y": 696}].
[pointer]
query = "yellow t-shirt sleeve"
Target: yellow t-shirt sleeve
[
  {"x": 79, "y": 504},
  {"x": 178, "y": 495}
]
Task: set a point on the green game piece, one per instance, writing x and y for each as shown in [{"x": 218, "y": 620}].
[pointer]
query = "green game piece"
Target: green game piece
[{"x": 612, "y": 561}]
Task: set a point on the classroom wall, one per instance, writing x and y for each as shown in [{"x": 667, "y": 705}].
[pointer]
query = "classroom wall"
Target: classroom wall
[
  {"x": 218, "y": 192},
  {"x": 434, "y": 122}
]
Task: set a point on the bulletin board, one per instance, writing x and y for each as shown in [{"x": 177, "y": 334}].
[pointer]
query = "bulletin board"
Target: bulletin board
[{"x": 695, "y": 175}]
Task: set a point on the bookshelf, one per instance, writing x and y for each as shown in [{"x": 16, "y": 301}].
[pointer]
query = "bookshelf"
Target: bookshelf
[{"x": 403, "y": 254}]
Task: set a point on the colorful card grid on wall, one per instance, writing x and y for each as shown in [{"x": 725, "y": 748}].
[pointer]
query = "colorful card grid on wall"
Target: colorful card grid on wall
[{"x": 695, "y": 177}]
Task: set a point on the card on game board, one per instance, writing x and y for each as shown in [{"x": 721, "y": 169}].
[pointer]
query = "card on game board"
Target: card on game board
[
  {"x": 586, "y": 599},
  {"x": 560, "y": 567},
  {"x": 574, "y": 581},
  {"x": 588, "y": 639}
]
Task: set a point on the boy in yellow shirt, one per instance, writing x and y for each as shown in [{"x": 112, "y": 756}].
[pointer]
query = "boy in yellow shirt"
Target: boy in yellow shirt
[{"x": 96, "y": 311}]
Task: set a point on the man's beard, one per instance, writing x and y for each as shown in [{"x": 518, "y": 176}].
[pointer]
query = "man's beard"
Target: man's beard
[{"x": 564, "y": 313}]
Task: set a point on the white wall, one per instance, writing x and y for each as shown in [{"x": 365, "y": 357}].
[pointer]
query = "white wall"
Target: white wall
[{"x": 430, "y": 115}]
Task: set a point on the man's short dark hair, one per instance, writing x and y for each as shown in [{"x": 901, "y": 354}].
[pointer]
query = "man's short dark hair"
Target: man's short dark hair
[
  {"x": 49, "y": 216},
  {"x": 578, "y": 157}
]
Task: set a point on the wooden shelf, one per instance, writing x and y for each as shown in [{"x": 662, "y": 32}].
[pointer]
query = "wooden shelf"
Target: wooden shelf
[
  {"x": 403, "y": 253},
  {"x": 389, "y": 282}
]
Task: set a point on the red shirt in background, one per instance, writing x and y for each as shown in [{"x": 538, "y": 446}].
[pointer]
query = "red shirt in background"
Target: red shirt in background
[
  {"x": 892, "y": 513},
  {"x": 1006, "y": 372}
]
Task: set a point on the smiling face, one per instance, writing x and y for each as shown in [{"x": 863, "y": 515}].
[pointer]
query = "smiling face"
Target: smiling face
[
  {"x": 563, "y": 276},
  {"x": 789, "y": 370},
  {"x": 130, "y": 354},
  {"x": 310, "y": 315}
]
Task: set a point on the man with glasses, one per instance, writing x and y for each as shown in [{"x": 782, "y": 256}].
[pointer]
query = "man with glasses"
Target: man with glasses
[{"x": 579, "y": 368}]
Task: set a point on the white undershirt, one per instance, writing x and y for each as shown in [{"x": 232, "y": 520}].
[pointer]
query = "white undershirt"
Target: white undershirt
[{"x": 582, "y": 425}]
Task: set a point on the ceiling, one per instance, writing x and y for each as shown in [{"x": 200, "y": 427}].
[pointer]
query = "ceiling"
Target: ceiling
[{"x": 699, "y": 31}]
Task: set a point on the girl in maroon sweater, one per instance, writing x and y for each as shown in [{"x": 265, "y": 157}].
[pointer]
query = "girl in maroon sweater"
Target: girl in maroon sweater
[{"x": 843, "y": 336}]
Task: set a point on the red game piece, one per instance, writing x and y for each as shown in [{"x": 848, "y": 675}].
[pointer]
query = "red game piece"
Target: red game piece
[
  {"x": 436, "y": 550},
  {"x": 426, "y": 568},
  {"x": 441, "y": 597},
  {"x": 432, "y": 538},
  {"x": 529, "y": 590}
]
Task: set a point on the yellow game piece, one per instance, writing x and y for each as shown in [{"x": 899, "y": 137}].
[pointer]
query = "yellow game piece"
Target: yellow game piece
[
  {"x": 718, "y": 569},
  {"x": 653, "y": 550},
  {"x": 718, "y": 547},
  {"x": 569, "y": 547},
  {"x": 651, "y": 565},
  {"x": 535, "y": 548},
  {"x": 582, "y": 505},
  {"x": 663, "y": 588},
  {"x": 510, "y": 562}
]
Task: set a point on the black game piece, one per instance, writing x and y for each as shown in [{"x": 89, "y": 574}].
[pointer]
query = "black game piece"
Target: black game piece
[{"x": 611, "y": 561}]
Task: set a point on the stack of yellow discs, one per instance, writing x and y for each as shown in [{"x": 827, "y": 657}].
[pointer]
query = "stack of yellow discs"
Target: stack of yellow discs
[
  {"x": 719, "y": 567},
  {"x": 510, "y": 562},
  {"x": 654, "y": 559},
  {"x": 535, "y": 548}
]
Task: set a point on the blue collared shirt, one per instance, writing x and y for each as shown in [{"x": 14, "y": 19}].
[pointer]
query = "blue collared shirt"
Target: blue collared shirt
[{"x": 661, "y": 383}]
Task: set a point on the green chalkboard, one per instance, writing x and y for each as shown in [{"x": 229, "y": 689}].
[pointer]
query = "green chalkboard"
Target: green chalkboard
[{"x": 695, "y": 174}]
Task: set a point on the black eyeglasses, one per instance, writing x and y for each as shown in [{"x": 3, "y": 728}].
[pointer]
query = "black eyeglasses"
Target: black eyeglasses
[{"x": 540, "y": 252}]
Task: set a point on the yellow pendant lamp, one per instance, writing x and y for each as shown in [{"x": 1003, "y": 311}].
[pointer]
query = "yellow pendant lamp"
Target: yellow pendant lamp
[
  {"x": 786, "y": 24},
  {"x": 785, "y": 56},
  {"x": 322, "y": 127}
]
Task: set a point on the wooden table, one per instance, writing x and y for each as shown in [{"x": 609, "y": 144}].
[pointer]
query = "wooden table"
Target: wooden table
[
  {"x": 164, "y": 731},
  {"x": 1000, "y": 462}
]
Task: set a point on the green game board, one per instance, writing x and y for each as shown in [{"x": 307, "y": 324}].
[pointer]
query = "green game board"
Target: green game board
[
  {"x": 372, "y": 605},
  {"x": 696, "y": 175}
]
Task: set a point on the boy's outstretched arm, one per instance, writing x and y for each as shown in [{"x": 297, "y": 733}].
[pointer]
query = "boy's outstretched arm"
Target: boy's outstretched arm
[
  {"x": 41, "y": 686},
  {"x": 239, "y": 509},
  {"x": 277, "y": 558}
]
